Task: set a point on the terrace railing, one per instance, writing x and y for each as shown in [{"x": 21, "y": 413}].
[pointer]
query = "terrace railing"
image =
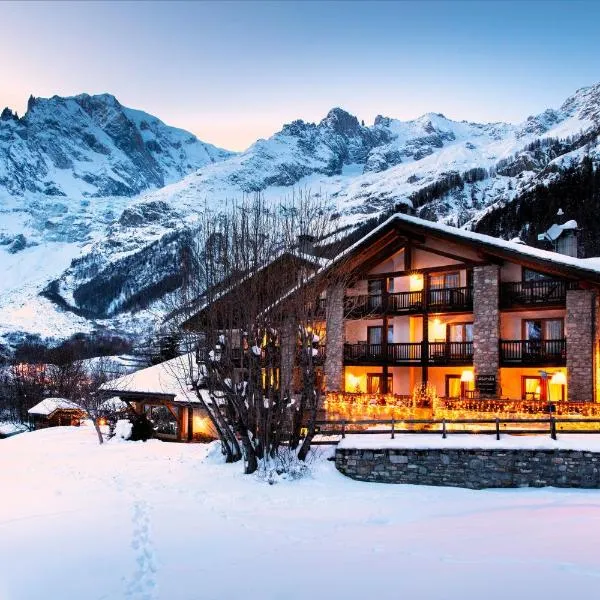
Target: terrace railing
[
  {"x": 534, "y": 293},
  {"x": 447, "y": 353},
  {"x": 332, "y": 431},
  {"x": 533, "y": 352},
  {"x": 438, "y": 300},
  {"x": 439, "y": 353},
  {"x": 363, "y": 353},
  {"x": 405, "y": 353},
  {"x": 404, "y": 302},
  {"x": 451, "y": 299}
]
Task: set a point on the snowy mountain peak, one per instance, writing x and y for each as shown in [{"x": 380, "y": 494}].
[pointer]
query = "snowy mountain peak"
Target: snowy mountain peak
[
  {"x": 342, "y": 122},
  {"x": 93, "y": 146},
  {"x": 115, "y": 256},
  {"x": 584, "y": 104}
]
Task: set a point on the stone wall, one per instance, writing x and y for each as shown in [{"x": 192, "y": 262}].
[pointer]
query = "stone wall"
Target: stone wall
[
  {"x": 334, "y": 351},
  {"x": 471, "y": 468},
  {"x": 579, "y": 331},
  {"x": 486, "y": 321}
]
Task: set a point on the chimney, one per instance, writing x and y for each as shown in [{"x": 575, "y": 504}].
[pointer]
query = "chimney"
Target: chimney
[
  {"x": 562, "y": 235},
  {"x": 306, "y": 244}
]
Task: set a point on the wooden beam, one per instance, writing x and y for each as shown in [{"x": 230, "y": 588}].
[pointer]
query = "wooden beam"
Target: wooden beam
[
  {"x": 423, "y": 271},
  {"x": 408, "y": 252},
  {"x": 389, "y": 250},
  {"x": 450, "y": 255},
  {"x": 409, "y": 234},
  {"x": 190, "y": 423}
]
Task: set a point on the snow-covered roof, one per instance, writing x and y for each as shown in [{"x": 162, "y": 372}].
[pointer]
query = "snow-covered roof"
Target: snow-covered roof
[
  {"x": 555, "y": 231},
  {"x": 489, "y": 243},
  {"x": 581, "y": 267},
  {"x": 113, "y": 404},
  {"x": 49, "y": 405},
  {"x": 170, "y": 378}
]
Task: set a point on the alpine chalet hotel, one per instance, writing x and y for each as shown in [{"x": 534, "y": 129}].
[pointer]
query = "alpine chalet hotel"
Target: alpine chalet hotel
[{"x": 484, "y": 324}]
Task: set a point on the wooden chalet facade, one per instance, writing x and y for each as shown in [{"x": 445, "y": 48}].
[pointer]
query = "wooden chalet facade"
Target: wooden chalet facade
[
  {"x": 475, "y": 317},
  {"x": 488, "y": 325}
]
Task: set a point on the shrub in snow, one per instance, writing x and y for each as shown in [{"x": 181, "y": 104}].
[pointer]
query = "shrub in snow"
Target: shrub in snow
[
  {"x": 215, "y": 454},
  {"x": 141, "y": 428},
  {"x": 123, "y": 429},
  {"x": 284, "y": 466}
]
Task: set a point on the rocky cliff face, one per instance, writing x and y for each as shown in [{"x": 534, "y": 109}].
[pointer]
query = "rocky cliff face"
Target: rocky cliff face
[
  {"x": 93, "y": 146},
  {"x": 119, "y": 255}
]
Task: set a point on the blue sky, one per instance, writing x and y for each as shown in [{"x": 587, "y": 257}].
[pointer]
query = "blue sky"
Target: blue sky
[{"x": 232, "y": 72}]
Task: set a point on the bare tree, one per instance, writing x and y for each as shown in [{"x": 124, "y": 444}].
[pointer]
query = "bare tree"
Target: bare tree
[
  {"x": 90, "y": 399},
  {"x": 250, "y": 306},
  {"x": 25, "y": 384}
]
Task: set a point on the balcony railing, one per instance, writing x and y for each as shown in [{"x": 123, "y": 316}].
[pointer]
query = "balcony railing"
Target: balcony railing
[
  {"x": 405, "y": 353},
  {"x": 448, "y": 353},
  {"x": 363, "y": 353},
  {"x": 533, "y": 352},
  {"x": 442, "y": 299},
  {"x": 317, "y": 353},
  {"x": 439, "y": 353},
  {"x": 400, "y": 302},
  {"x": 438, "y": 300},
  {"x": 363, "y": 304},
  {"x": 534, "y": 293},
  {"x": 241, "y": 357}
]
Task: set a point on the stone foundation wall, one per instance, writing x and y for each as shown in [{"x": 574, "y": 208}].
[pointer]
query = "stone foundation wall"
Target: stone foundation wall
[
  {"x": 579, "y": 331},
  {"x": 470, "y": 468}
]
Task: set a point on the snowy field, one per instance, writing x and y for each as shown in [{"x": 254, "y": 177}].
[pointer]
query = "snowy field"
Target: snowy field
[{"x": 168, "y": 521}]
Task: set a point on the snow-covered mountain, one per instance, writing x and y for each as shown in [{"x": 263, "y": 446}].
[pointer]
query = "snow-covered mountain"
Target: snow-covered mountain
[
  {"x": 92, "y": 146},
  {"x": 115, "y": 255}
]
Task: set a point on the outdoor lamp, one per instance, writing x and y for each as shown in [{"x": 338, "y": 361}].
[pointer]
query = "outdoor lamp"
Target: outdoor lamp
[
  {"x": 465, "y": 378},
  {"x": 559, "y": 378}
]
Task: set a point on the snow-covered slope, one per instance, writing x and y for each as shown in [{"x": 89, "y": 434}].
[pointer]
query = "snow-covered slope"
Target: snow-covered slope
[
  {"x": 93, "y": 146},
  {"x": 159, "y": 520},
  {"x": 446, "y": 170}
]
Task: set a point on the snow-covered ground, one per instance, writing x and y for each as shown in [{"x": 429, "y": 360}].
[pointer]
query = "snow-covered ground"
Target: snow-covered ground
[{"x": 168, "y": 521}]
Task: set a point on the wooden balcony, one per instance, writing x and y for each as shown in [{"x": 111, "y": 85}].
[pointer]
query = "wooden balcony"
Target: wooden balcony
[
  {"x": 410, "y": 353},
  {"x": 317, "y": 353},
  {"x": 270, "y": 356},
  {"x": 399, "y": 303},
  {"x": 533, "y": 353},
  {"x": 544, "y": 292},
  {"x": 450, "y": 299}
]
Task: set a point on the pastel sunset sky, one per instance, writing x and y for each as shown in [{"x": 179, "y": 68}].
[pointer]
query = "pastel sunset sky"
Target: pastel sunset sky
[{"x": 232, "y": 72}]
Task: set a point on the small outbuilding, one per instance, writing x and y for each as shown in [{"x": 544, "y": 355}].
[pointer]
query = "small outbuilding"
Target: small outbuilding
[
  {"x": 56, "y": 412},
  {"x": 163, "y": 394}
]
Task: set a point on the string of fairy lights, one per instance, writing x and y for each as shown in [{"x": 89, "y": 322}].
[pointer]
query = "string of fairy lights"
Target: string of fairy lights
[{"x": 424, "y": 403}]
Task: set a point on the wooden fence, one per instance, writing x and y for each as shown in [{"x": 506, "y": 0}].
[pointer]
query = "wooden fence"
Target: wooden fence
[{"x": 510, "y": 426}]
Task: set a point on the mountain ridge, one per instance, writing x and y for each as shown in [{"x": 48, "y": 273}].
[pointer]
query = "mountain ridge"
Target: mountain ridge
[
  {"x": 93, "y": 146},
  {"x": 121, "y": 253}
]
